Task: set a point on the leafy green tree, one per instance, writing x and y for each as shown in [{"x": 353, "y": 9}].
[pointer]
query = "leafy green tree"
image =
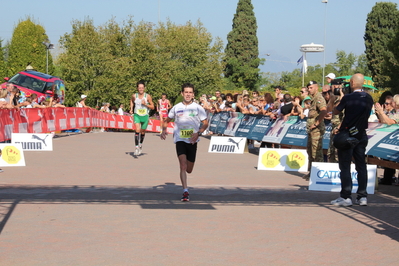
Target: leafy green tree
[
  {"x": 83, "y": 61},
  {"x": 362, "y": 65},
  {"x": 3, "y": 68},
  {"x": 242, "y": 52},
  {"x": 382, "y": 23},
  {"x": 186, "y": 53},
  {"x": 392, "y": 66},
  {"x": 106, "y": 62},
  {"x": 345, "y": 63},
  {"x": 26, "y": 47}
]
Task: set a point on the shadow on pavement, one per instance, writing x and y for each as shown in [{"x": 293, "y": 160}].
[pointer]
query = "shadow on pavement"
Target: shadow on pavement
[{"x": 381, "y": 214}]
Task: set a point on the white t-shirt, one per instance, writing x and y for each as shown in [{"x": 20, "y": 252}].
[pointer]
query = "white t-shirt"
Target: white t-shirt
[
  {"x": 187, "y": 120},
  {"x": 120, "y": 111}
]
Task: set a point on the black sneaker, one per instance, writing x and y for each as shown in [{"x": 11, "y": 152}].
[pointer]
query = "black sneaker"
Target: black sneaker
[{"x": 185, "y": 196}]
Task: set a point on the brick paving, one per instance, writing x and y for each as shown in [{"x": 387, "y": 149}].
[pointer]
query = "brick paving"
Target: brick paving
[{"x": 91, "y": 202}]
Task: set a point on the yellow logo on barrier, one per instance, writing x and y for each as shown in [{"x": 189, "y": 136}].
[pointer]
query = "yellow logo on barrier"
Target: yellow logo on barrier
[
  {"x": 295, "y": 160},
  {"x": 11, "y": 154},
  {"x": 271, "y": 159}
]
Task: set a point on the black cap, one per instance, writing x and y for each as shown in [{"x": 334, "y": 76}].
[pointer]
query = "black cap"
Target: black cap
[{"x": 311, "y": 83}]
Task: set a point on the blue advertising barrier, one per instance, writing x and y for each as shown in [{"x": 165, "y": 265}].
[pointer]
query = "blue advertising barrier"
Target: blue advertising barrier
[{"x": 383, "y": 139}]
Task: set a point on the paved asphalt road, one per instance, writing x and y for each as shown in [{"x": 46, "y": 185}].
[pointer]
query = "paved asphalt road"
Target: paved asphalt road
[{"x": 91, "y": 202}]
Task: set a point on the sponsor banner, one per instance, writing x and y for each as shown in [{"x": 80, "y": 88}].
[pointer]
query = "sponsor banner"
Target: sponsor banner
[
  {"x": 221, "y": 127},
  {"x": 227, "y": 145},
  {"x": 283, "y": 160},
  {"x": 11, "y": 155},
  {"x": 279, "y": 129},
  {"x": 388, "y": 146},
  {"x": 296, "y": 134},
  {"x": 37, "y": 120},
  {"x": 291, "y": 132},
  {"x": 233, "y": 123},
  {"x": 325, "y": 177},
  {"x": 326, "y": 136},
  {"x": 213, "y": 124},
  {"x": 263, "y": 124},
  {"x": 246, "y": 124},
  {"x": 33, "y": 142}
]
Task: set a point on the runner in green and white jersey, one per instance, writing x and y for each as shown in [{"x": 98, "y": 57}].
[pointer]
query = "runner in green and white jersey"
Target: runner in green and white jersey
[{"x": 142, "y": 103}]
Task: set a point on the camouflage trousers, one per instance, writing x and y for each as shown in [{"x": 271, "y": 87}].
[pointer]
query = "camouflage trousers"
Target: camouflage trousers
[
  {"x": 315, "y": 147},
  {"x": 332, "y": 154}
]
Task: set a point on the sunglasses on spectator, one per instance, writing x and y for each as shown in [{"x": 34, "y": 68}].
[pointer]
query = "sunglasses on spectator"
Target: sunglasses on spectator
[
  {"x": 387, "y": 103},
  {"x": 302, "y": 92}
]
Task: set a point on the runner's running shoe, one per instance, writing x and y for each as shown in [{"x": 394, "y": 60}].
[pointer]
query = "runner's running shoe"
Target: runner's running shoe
[
  {"x": 185, "y": 197},
  {"x": 137, "y": 151},
  {"x": 140, "y": 149}
]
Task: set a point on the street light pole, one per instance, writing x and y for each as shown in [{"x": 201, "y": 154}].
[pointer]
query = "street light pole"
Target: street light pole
[
  {"x": 48, "y": 47},
  {"x": 324, "y": 53}
]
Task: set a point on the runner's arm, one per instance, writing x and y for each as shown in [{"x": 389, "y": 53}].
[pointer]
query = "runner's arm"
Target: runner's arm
[
  {"x": 150, "y": 104},
  {"x": 131, "y": 104},
  {"x": 200, "y": 131},
  {"x": 165, "y": 127}
]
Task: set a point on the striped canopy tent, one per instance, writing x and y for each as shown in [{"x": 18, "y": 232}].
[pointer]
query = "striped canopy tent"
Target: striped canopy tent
[{"x": 368, "y": 81}]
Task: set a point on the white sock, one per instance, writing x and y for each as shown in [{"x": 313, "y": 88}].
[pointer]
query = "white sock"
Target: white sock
[{"x": 185, "y": 190}]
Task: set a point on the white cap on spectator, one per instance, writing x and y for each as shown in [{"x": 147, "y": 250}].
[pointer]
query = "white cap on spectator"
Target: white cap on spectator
[
  {"x": 331, "y": 76},
  {"x": 83, "y": 96}
]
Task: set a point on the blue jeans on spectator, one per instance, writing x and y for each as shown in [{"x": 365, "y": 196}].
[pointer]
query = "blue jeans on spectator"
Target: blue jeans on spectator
[{"x": 344, "y": 160}]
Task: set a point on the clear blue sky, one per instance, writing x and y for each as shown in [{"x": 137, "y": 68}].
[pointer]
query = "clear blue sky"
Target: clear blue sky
[{"x": 283, "y": 25}]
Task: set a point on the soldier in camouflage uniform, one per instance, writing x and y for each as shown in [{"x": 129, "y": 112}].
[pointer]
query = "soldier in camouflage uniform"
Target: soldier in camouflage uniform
[
  {"x": 332, "y": 102},
  {"x": 315, "y": 125}
]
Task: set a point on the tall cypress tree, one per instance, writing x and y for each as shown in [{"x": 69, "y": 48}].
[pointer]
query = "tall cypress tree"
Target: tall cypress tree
[
  {"x": 242, "y": 48},
  {"x": 3, "y": 70},
  {"x": 381, "y": 26},
  {"x": 27, "y": 47}
]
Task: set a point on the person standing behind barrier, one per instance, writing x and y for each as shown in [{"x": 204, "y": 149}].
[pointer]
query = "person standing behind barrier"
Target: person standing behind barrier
[
  {"x": 120, "y": 110},
  {"x": 141, "y": 102},
  {"x": 330, "y": 77},
  {"x": 304, "y": 95},
  {"x": 315, "y": 126},
  {"x": 389, "y": 118},
  {"x": 188, "y": 117},
  {"x": 356, "y": 107},
  {"x": 81, "y": 102},
  {"x": 163, "y": 107},
  {"x": 332, "y": 102}
]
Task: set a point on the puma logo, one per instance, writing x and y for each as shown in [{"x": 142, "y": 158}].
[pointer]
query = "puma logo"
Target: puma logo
[
  {"x": 42, "y": 140},
  {"x": 236, "y": 143}
]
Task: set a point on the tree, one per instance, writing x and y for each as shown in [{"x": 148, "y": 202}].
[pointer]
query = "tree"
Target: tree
[
  {"x": 83, "y": 61},
  {"x": 3, "y": 69},
  {"x": 242, "y": 48},
  {"x": 345, "y": 63},
  {"x": 106, "y": 62},
  {"x": 27, "y": 47},
  {"x": 382, "y": 23}
]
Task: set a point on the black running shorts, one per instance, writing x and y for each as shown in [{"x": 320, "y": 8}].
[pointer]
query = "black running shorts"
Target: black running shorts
[{"x": 190, "y": 150}]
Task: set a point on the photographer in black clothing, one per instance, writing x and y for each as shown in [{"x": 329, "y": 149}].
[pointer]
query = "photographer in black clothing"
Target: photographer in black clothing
[{"x": 351, "y": 141}]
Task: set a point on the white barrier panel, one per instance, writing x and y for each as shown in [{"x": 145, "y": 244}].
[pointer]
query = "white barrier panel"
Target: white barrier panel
[
  {"x": 227, "y": 145},
  {"x": 11, "y": 155},
  {"x": 283, "y": 160},
  {"x": 325, "y": 177},
  {"x": 33, "y": 142}
]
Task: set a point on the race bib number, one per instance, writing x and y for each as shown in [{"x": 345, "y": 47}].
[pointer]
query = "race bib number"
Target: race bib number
[
  {"x": 142, "y": 111},
  {"x": 186, "y": 133}
]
